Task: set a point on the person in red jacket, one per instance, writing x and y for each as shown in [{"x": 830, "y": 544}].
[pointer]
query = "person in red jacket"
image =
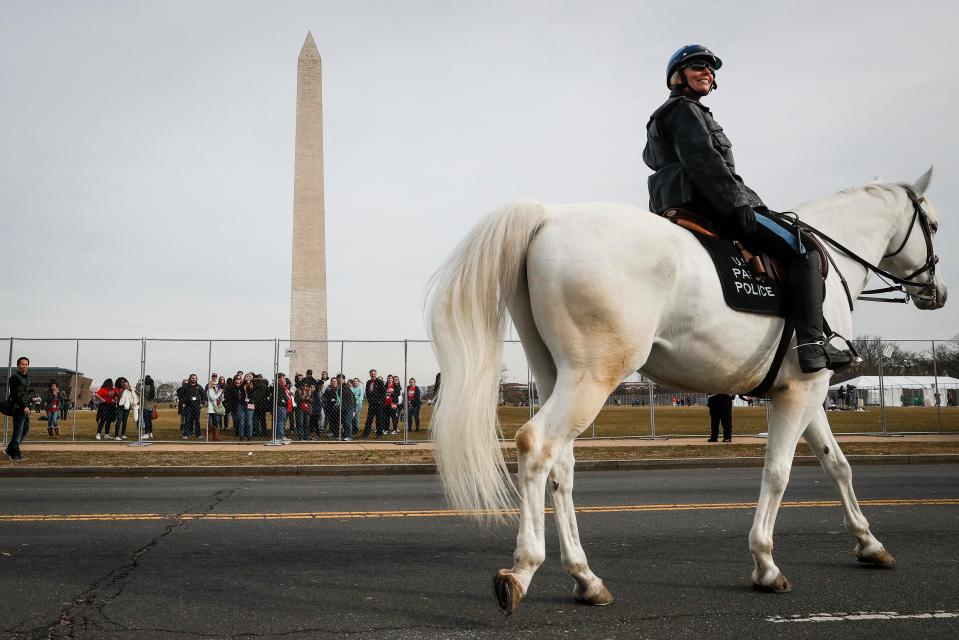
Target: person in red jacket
[
  {"x": 106, "y": 410},
  {"x": 413, "y": 401}
]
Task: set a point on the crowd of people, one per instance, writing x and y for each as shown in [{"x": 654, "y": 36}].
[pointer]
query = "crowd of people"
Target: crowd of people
[{"x": 305, "y": 408}]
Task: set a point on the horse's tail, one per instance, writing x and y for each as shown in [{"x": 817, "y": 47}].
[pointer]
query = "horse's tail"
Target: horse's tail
[{"x": 467, "y": 319}]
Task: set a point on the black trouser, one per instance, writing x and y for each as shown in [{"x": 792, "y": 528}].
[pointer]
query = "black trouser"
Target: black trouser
[
  {"x": 120, "y": 429},
  {"x": 414, "y": 417},
  {"x": 21, "y": 426},
  {"x": 717, "y": 416},
  {"x": 106, "y": 412},
  {"x": 374, "y": 411},
  {"x": 333, "y": 422},
  {"x": 191, "y": 419}
]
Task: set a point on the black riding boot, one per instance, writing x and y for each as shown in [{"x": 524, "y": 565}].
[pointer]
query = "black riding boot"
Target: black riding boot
[{"x": 806, "y": 294}]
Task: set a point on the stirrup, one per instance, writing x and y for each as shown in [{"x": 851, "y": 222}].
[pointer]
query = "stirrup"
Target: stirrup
[{"x": 856, "y": 358}]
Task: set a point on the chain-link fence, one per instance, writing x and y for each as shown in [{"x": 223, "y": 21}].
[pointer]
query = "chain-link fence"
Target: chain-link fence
[{"x": 144, "y": 390}]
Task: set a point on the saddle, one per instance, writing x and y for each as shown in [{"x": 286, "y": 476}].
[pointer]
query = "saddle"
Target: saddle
[
  {"x": 764, "y": 267},
  {"x": 751, "y": 281}
]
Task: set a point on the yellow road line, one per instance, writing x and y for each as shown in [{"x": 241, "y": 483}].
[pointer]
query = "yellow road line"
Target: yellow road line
[{"x": 449, "y": 513}]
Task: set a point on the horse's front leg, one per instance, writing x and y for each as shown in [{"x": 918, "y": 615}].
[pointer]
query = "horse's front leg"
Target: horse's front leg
[
  {"x": 791, "y": 411},
  {"x": 820, "y": 439},
  {"x": 589, "y": 588}
]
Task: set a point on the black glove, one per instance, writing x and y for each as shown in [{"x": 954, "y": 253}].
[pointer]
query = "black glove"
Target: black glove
[{"x": 743, "y": 219}]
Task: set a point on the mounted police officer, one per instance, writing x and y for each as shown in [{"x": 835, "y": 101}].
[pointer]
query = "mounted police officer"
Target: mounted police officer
[{"x": 694, "y": 170}]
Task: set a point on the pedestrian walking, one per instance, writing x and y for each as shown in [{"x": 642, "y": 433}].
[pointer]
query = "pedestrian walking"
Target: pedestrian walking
[{"x": 18, "y": 388}]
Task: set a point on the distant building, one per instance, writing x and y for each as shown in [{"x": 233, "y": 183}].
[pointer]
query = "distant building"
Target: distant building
[{"x": 71, "y": 383}]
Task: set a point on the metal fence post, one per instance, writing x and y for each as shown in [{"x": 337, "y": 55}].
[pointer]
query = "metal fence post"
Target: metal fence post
[
  {"x": 140, "y": 442},
  {"x": 76, "y": 384},
  {"x": 529, "y": 391},
  {"x": 276, "y": 393},
  {"x": 882, "y": 393},
  {"x": 342, "y": 393},
  {"x": 936, "y": 396},
  {"x": 209, "y": 363},
  {"x": 652, "y": 409},
  {"x": 406, "y": 400}
]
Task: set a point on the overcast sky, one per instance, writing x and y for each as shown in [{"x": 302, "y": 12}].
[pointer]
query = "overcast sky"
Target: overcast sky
[{"x": 146, "y": 155}]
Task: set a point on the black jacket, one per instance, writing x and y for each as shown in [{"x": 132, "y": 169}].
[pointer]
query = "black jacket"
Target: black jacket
[
  {"x": 332, "y": 396},
  {"x": 230, "y": 396},
  {"x": 719, "y": 404},
  {"x": 191, "y": 394},
  {"x": 19, "y": 387},
  {"x": 693, "y": 162},
  {"x": 261, "y": 395},
  {"x": 375, "y": 391}
]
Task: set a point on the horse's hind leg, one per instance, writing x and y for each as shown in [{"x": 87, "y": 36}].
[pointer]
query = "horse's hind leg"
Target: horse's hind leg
[
  {"x": 820, "y": 439},
  {"x": 569, "y": 410},
  {"x": 589, "y": 588}
]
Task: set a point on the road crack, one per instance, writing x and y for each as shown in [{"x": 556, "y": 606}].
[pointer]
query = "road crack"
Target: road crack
[{"x": 88, "y": 608}]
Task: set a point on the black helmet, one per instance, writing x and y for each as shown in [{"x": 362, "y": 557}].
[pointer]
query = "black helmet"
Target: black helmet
[{"x": 688, "y": 53}]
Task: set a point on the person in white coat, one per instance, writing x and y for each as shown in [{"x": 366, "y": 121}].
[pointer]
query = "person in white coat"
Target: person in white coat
[
  {"x": 124, "y": 404},
  {"x": 214, "y": 407}
]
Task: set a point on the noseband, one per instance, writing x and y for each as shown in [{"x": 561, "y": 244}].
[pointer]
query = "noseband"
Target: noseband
[{"x": 927, "y": 288}]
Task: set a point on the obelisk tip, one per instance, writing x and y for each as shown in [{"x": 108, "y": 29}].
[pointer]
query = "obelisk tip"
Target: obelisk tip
[{"x": 309, "y": 47}]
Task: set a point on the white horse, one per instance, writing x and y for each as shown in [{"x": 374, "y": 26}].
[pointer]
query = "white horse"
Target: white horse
[{"x": 598, "y": 291}]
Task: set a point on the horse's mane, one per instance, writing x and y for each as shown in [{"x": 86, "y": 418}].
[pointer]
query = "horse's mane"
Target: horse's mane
[{"x": 888, "y": 192}]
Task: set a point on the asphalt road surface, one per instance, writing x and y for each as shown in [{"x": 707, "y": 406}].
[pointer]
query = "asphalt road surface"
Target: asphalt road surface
[{"x": 377, "y": 557}]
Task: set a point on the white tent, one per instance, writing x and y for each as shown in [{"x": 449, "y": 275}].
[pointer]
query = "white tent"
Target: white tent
[{"x": 900, "y": 391}]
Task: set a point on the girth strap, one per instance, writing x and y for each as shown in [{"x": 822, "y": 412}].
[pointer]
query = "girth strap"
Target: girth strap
[{"x": 767, "y": 382}]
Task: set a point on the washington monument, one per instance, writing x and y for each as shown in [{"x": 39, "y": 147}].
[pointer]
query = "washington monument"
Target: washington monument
[{"x": 308, "y": 299}]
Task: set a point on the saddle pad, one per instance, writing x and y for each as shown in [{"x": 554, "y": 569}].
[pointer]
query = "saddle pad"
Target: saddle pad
[{"x": 740, "y": 289}]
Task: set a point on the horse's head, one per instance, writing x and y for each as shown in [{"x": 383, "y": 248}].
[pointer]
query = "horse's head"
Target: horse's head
[{"x": 910, "y": 254}]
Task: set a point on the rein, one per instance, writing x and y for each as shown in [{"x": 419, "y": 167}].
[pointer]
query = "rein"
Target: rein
[{"x": 900, "y": 282}]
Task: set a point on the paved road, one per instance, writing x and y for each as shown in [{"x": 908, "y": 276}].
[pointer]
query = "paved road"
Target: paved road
[{"x": 120, "y": 564}]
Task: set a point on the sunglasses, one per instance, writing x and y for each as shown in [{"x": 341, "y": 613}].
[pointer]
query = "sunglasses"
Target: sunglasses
[{"x": 699, "y": 65}]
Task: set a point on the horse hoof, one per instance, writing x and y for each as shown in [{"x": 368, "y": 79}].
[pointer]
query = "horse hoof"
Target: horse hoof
[
  {"x": 881, "y": 558},
  {"x": 507, "y": 590},
  {"x": 598, "y": 597},
  {"x": 779, "y": 585}
]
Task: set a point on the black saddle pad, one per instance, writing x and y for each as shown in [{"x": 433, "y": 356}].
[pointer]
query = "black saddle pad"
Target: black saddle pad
[{"x": 740, "y": 289}]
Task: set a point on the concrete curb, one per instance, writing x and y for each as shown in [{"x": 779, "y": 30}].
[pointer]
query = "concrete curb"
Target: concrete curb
[{"x": 428, "y": 469}]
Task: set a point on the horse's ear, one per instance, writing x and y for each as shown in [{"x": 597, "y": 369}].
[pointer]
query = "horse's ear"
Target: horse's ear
[
  {"x": 922, "y": 183},
  {"x": 877, "y": 179}
]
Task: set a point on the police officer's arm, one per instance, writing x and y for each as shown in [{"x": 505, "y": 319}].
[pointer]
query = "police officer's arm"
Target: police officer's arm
[{"x": 701, "y": 161}]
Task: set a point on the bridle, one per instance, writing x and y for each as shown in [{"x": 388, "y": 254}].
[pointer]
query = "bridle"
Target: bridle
[{"x": 927, "y": 288}]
